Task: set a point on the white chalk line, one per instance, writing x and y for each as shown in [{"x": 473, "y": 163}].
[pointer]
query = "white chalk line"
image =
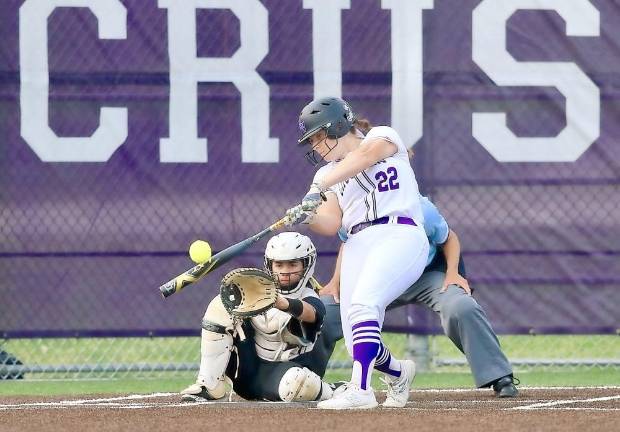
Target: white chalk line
[
  {"x": 541, "y": 409},
  {"x": 185, "y": 405},
  {"x": 110, "y": 405},
  {"x": 111, "y": 402},
  {"x": 90, "y": 401},
  {"x": 461, "y": 390},
  {"x": 563, "y": 402},
  {"x": 581, "y": 409},
  {"x": 118, "y": 398}
]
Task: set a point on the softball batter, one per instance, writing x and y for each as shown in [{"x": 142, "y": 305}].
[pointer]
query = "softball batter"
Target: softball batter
[
  {"x": 370, "y": 189},
  {"x": 443, "y": 289}
]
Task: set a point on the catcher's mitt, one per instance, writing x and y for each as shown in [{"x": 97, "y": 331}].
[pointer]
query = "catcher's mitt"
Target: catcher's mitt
[{"x": 247, "y": 292}]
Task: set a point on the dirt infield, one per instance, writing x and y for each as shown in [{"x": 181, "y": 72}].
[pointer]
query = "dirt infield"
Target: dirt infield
[{"x": 550, "y": 409}]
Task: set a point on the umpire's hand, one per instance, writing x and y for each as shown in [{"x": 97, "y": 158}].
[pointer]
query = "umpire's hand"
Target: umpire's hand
[
  {"x": 453, "y": 278},
  {"x": 332, "y": 288}
]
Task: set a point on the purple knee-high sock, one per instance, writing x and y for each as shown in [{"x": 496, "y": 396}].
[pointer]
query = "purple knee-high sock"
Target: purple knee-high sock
[
  {"x": 366, "y": 341},
  {"x": 386, "y": 363}
]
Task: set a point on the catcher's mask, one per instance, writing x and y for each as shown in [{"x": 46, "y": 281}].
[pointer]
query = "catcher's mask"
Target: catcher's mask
[
  {"x": 290, "y": 246},
  {"x": 331, "y": 114}
]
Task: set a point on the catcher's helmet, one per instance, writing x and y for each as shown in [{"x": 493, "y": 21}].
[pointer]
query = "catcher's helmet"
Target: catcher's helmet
[
  {"x": 331, "y": 114},
  {"x": 289, "y": 246}
]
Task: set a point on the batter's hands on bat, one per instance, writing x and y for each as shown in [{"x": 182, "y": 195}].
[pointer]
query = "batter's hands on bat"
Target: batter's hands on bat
[
  {"x": 297, "y": 215},
  {"x": 453, "y": 278},
  {"x": 304, "y": 212},
  {"x": 314, "y": 198}
]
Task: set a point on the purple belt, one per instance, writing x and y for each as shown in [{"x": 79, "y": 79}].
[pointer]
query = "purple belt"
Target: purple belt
[{"x": 381, "y": 221}]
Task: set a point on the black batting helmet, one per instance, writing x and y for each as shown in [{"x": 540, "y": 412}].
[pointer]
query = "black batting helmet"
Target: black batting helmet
[{"x": 329, "y": 113}]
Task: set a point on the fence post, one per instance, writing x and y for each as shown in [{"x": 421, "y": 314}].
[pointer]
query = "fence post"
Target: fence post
[{"x": 418, "y": 349}]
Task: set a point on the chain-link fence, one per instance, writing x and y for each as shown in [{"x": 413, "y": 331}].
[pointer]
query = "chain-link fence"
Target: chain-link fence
[
  {"x": 157, "y": 357},
  {"x": 131, "y": 128}
]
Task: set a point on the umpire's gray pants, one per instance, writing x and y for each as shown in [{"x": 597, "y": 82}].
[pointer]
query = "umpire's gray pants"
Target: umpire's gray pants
[{"x": 462, "y": 319}]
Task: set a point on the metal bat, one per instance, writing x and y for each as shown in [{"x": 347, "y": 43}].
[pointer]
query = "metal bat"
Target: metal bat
[{"x": 195, "y": 273}]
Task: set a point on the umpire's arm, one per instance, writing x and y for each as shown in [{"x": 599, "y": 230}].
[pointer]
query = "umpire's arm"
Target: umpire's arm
[{"x": 452, "y": 251}]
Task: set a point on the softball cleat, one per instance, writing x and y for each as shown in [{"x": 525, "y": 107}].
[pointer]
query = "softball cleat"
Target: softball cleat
[
  {"x": 398, "y": 388},
  {"x": 351, "y": 397}
]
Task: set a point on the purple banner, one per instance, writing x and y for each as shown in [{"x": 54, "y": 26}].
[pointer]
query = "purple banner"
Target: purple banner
[{"x": 131, "y": 128}]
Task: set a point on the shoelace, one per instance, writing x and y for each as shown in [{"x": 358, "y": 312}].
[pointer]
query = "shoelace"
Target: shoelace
[
  {"x": 395, "y": 386},
  {"x": 346, "y": 391},
  {"x": 339, "y": 387},
  {"x": 340, "y": 390},
  {"x": 515, "y": 381}
]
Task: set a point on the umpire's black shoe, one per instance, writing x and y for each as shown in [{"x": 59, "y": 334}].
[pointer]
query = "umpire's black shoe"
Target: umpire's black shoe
[{"x": 505, "y": 387}]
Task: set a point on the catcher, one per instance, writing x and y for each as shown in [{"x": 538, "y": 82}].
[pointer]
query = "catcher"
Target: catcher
[{"x": 259, "y": 332}]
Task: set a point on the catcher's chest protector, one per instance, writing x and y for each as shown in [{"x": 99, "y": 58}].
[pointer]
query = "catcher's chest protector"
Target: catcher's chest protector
[{"x": 277, "y": 338}]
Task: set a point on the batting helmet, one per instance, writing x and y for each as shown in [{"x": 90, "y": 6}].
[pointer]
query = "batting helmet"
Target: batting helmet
[
  {"x": 331, "y": 114},
  {"x": 289, "y": 246}
]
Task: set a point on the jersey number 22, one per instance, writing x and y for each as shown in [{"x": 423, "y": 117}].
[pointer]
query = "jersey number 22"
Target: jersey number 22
[{"x": 387, "y": 180}]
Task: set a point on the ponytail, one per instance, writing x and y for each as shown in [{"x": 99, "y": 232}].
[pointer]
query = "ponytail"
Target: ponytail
[{"x": 361, "y": 124}]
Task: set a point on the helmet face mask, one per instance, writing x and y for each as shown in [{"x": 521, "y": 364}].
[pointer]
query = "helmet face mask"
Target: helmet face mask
[
  {"x": 290, "y": 247},
  {"x": 287, "y": 274},
  {"x": 313, "y": 156}
]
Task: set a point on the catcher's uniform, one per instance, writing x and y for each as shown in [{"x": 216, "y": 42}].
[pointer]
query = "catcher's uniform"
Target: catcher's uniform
[
  {"x": 274, "y": 343},
  {"x": 279, "y": 337}
]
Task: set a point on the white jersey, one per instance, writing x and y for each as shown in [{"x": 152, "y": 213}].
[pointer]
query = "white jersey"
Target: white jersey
[
  {"x": 388, "y": 188},
  {"x": 280, "y": 337}
]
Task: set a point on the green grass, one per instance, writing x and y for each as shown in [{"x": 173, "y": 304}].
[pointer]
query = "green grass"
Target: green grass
[
  {"x": 104, "y": 350},
  {"x": 187, "y": 350},
  {"x": 178, "y": 350},
  {"x": 547, "y": 347},
  {"x": 82, "y": 387},
  {"x": 577, "y": 378}
]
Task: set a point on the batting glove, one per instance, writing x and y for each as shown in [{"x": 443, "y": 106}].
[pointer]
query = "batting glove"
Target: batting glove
[
  {"x": 297, "y": 215},
  {"x": 314, "y": 198}
]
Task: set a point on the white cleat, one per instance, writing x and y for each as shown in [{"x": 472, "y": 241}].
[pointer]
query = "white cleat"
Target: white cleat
[
  {"x": 398, "y": 388},
  {"x": 351, "y": 397}
]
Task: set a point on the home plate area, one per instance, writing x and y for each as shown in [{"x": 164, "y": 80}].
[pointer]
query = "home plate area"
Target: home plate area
[{"x": 565, "y": 409}]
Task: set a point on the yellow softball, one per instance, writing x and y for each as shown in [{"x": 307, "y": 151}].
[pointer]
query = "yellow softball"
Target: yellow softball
[{"x": 200, "y": 251}]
